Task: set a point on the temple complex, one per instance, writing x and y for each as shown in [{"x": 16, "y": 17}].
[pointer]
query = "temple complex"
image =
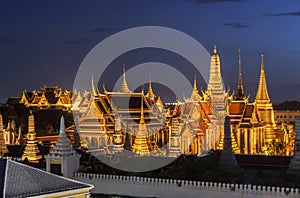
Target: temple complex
[{"x": 110, "y": 122}]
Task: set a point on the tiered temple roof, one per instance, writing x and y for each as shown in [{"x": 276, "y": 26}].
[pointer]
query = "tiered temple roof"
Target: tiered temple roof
[{"x": 47, "y": 97}]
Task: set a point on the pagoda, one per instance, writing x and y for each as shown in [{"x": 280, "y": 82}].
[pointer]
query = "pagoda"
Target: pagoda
[
  {"x": 264, "y": 105},
  {"x": 31, "y": 150},
  {"x": 141, "y": 141}
]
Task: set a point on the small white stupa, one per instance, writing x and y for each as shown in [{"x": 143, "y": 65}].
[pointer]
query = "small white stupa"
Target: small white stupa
[{"x": 63, "y": 159}]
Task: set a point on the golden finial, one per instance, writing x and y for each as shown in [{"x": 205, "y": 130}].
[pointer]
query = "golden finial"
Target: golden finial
[
  {"x": 240, "y": 91},
  {"x": 215, "y": 49},
  {"x": 150, "y": 90},
  {"x": 195, "y": 82},
  {"x": 142, "y": 108},
  {"x": 93, "y": 90},
  {"x": 262, "y": 61},
  {"x": 124, "y": 87}
]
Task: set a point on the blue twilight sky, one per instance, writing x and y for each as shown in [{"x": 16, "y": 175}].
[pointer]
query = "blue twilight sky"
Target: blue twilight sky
[{"x": 44, "y": 42}]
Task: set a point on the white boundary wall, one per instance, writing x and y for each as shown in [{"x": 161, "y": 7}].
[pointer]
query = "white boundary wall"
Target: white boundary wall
[{"x": 157, "y": 187}]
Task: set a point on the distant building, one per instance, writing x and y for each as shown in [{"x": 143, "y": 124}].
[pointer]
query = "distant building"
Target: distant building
[
  {"x": 286, "y": 116},
  {"x": 47, "y": 98}
]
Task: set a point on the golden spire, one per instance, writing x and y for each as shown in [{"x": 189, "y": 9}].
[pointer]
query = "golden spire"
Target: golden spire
[
  {"x": 124, "y": 88},
  {"x": 141, "y": 141},
  {"x": 195, "y": 83},
  {"x": 150, "y": 91},
  {"x": 158, "y": 101},
  {"x": 240, "y": 91},
  {"x": 215, "y": 49},
  {"x": 262, "y": 95},
  {"x": 93, "y": 90},
  {"x": 142, "y": 121},
  {"x": 31, "y": 126},
  {"x": 195, "y": 94}
]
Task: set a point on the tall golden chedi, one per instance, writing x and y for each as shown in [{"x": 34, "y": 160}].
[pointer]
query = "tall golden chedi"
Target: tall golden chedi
[
  {"x": 31, "y": 150},
  {"x": 141, "y": 141},
  {"x": 264, "y": 105}
]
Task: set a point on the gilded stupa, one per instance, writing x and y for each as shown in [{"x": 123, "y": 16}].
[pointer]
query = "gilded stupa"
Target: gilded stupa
[
  {"x": 31, "y": 152},
  {"x": 141, "y": 141},
  {"x": 264, "y": 105}
]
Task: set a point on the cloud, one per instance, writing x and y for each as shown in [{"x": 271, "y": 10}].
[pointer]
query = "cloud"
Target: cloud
[
  {"x": 104, "y": 30},
  {"x": 236, "y": 25},
  {"x": 284, "y": 14},
  {"x": 77, "y": 41},
  {"x": 214, "y": 1}
]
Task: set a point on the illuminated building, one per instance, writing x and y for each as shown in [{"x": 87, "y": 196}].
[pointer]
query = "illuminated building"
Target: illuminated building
[
  {"x": 10, "y": 132},
  {"x": 105, "y": 117},
  {"x": 188, "y": 126},
  {"x": 47, "y": 98},
  {"x": 248, "y": 130},
  {"x": 108, "y": 121},
  {"x": 63, "y": 159},
  {"x": 31, "y": 152},
  {"x": 286, "y": 116},
  {"x": 3, "y": 148}
]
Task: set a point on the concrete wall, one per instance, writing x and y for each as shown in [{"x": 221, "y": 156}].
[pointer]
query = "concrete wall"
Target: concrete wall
[{"x": 155, "y": 187}]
